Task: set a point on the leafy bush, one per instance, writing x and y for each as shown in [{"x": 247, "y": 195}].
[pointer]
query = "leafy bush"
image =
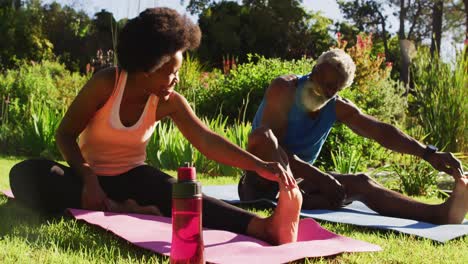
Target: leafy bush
[
  {"x": 34, "y": 97},
  {"x": 47, "y": 83},
  {"x": 372, "y": 89},
  {"x": 375, "y": 94},
  {"x": 169, "y": 149},
  {"x": 440, "y": 100},
  {"x": 346, "y": 162},
  {"x": 39, "y": 134},
  {"x": 416, "y": 176},
  {"x": 246, "y": 83}
]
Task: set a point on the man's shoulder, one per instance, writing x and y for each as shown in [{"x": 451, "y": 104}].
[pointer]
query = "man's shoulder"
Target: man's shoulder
[
  {"x": 344, "y": 102},
  {"x": 283, "y": 86},
  {"x": 345, "y": 108}
]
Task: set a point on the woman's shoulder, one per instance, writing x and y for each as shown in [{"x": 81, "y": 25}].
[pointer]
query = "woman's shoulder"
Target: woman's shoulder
[
  {"x": 103, "y": 82},
  {"x": 99, "y": 87},
  {"x": 106, "y": 78}
]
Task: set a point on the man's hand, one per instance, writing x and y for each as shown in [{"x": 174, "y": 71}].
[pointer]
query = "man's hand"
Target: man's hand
[
  {"x": 333, "y": 189},
  {"x": 274, "y": 171},
  {"x": 446, "y": 162},
  {"x": 93, "y": 197}
]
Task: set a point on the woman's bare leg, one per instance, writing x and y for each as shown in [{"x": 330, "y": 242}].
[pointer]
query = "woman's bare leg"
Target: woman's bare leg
[{"x": 282, "y": 226}]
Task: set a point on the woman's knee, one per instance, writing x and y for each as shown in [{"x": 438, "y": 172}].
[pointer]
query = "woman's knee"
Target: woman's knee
[
  {"x": 25, "y": 172},
  {"x": 26, "y": 181}
]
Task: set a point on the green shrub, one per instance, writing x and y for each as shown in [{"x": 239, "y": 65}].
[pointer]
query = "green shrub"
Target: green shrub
[
  {"x": 39, "y": 134},
  {"x": 168, "y": 149},
  {"x": 416, "y": 176},
  {"x": 47, "y": 83},
  {"x": 346, "y": 161},
  {"x": 38, "y": 95},
  {"x": 247, "y": 82},
  {"x": 440, "y": 100},
  {"x": 375, "y": 94}
]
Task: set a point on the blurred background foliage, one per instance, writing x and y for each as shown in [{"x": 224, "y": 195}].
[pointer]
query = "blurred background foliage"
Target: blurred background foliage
[{"x": 48, "y": 51}]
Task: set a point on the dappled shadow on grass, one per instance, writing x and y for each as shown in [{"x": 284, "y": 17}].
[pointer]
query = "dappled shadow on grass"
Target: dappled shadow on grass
[{"x": 41, "y": 231}]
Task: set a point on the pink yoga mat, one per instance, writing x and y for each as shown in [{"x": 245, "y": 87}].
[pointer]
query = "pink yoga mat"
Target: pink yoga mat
[
  {"x": 8, "y": 194},
  {"x": 154, "y": 233}
]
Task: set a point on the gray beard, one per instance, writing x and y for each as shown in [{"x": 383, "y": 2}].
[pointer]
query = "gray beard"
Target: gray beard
[{"x": 312, "y": 97}]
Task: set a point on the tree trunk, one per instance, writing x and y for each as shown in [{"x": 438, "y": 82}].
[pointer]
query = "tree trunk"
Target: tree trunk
[
  {"x": 401, "y": 32},
  {"x": 404, "y": 70},
  {"x": 384, "y": 33},
  {"x": 437, "y": 12},
  {"x": 466, "y": 19}
]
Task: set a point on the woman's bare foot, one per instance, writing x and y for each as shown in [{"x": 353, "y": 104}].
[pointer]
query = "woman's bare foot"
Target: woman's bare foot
[
  {"x": 131, "y": 206},
  {"x": 282, "y": 226},
  {"x": 457, "y": 204}
]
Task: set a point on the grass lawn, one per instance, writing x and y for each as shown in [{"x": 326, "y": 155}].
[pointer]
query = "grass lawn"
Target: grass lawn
[{"x": 26, "y": 237}]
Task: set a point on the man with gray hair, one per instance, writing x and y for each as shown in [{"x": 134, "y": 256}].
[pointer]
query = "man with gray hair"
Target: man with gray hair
[{"x": 293, "y": 122}]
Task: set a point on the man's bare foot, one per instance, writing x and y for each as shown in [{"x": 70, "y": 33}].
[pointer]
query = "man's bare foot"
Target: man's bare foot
[
  {"x": 457, "y": 204},
  {"x": 131, "y": 206},
  {"x": 282, "y": 226}
]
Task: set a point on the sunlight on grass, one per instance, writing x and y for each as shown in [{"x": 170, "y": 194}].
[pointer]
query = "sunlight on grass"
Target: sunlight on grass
[
  {"x": 5, "y": 165},
  {"x": 27, "y": 237}
]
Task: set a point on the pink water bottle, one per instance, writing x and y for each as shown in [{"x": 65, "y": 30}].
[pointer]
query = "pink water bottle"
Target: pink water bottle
[{"x": 187, "y": 236}]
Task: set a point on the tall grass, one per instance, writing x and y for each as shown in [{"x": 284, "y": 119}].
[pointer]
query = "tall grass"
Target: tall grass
[
  {"x": 416, "y": 176},
  {"x": 39, "y": 132},
  {"x": 346, "y": 162},
  {"x": 168, "y": 149},
  {"x": 441, "y": 100},
  {"x": 27, "y": 237}
]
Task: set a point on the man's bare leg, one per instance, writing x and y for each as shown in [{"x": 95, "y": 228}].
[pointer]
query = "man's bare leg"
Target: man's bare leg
[
  {"x": 264, "y": 144},
  {"x": 457, "y": 204},
  {"x": 390, "y": 203}
]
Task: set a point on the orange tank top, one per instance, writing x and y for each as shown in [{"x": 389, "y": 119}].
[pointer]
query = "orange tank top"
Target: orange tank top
[{"x": 109, "y": 147}]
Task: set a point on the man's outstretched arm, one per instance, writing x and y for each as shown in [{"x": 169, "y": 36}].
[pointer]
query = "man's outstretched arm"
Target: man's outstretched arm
[{"x": 393, "y": 138}]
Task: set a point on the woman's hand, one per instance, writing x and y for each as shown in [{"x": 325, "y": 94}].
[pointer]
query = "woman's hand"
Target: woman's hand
[
  {"x": 274, "y": 171},
  {"x": 93, "y": 197}
]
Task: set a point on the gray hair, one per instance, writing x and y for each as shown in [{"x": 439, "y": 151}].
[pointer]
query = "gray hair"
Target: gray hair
[{"x": 344, "y": 64}]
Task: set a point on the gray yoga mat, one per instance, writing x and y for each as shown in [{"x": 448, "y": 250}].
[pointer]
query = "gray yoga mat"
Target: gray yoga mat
[{"x": 359, "y": 214}]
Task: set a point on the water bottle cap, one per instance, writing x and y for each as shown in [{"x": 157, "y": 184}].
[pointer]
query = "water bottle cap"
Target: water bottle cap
[
  {"x": 186, "y": 174},
  {"x": 187, "y": 189}
]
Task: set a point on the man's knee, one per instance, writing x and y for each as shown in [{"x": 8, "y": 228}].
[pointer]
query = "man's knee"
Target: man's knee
[
  {"x": 261, "y": 136},
  {"x": 252, "y": 187},
  {"x": 364, "y": 179}
]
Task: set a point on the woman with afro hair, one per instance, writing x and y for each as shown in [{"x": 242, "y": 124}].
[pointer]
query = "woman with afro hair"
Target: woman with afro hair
[{"x": 104, "y": 133}]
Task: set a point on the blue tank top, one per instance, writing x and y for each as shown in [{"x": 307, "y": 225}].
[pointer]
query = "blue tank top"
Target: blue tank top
[{"x": 305, "y": 135}]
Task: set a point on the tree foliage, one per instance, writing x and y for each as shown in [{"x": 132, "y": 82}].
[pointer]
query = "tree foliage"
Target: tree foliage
[
  {"x": 31, "y": 31},
  {"x": 22, "y": 34},
  {"x": 367, "y": 16},
  {"x": 279, "y": 28},
  {"x": 68, "y": 31},
  {"x": 455, "y": 18}
]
